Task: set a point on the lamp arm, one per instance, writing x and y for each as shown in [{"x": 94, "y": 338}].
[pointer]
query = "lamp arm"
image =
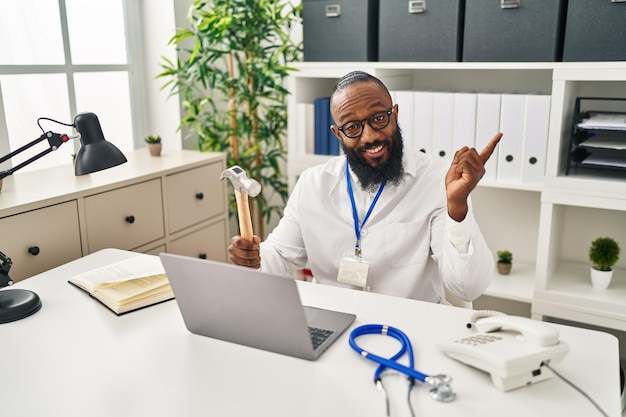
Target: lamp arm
[
  {"x": 54, "y": 140},
  {"x": 23, "y": 148},
  {"x": 5, "y": 266}
]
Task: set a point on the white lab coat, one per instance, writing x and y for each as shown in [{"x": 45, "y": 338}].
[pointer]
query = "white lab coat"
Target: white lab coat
[{"x": 408, "y": 237}]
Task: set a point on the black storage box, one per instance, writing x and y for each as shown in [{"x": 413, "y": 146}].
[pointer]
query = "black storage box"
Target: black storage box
[
  {"x": 595, "y": 31},
  {"x": 341, "y": 30},
  {"x": 514, "y": 30},
  {"x": 420, "y": 30}
]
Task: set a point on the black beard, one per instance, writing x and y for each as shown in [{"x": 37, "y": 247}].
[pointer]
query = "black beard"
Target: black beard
[{"x": 371, "y": 177}]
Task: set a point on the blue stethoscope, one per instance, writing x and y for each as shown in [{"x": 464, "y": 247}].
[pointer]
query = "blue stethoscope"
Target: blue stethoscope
[{"x": 440, "y": 388}]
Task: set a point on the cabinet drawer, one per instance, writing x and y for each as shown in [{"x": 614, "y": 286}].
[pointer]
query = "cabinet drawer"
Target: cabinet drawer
[
  {"x": 194, "y": 196},
  {"x": 125, "y": 218},
  {"x": 206, "y": 243},
  {"x": 41, "y": 239}
]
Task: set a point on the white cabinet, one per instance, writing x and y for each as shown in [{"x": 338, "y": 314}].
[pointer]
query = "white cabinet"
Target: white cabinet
[
  {"x": 174, "y": 203},
  {"x": 126, "y": 217},
  {"x": 205, "y": 243},
  {"x": 40, "y": 239},
  {"x": 547, "y": 225},
  {"x": 192, "y": 199}
]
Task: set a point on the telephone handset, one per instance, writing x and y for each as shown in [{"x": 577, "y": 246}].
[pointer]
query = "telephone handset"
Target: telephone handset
[{"x": 511, "y": 349}]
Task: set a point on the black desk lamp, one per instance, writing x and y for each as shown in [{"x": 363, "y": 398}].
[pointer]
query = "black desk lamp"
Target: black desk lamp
[{"x": 94, "y": 155}]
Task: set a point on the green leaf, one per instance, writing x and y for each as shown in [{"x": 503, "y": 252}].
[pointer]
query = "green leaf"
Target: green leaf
[{"x": 257, "y": 35}]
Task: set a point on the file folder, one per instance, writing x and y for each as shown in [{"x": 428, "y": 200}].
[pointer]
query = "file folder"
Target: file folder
[
  {"x": 487, "y": 125},
  {"x": 510, "y": 149},
  {"x": 333, "y": 142},
  {"x": 325, "y": 142},
  {"x": 464, "y": 121},
  {"x": 423, "y": 102},
  {"x": 443, "y": 122},
  {"x": 404, "y": 100},
  {"x": 536, "y": 123},
  {"x": 321, "y": 124},
  {"x": 305, "y": 115}
]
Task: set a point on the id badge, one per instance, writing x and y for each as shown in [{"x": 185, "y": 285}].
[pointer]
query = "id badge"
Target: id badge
[{"x": 353, "y": 270}]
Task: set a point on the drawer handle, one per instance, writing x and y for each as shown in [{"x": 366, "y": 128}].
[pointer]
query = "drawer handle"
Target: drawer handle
[
  {"x": 509, "y": 158},
  {"x": 202, "y": 255},
  {"x": 34, "y": 250},
  {"x": 417, "y": 6},
  {"x": 510, "y": 4},
  {"x": 130, "y": 219},
  {"x": 199, "y": 196},
  {"x": 332, "y": 10}
]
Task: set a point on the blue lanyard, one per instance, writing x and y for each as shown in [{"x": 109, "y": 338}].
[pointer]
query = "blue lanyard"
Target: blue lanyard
[{"x": 355, "y": 216}]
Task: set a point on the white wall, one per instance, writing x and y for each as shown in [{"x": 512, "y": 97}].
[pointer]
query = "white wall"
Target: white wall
[{"x": 157, "y": 27}]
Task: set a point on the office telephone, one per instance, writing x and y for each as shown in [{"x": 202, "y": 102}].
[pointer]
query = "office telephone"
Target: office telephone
[{"x": 511, "y": 349}]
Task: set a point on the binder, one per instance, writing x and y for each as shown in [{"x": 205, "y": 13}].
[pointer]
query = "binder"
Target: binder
[
  {"x": 322, "y": 125},
  {"x": 305, "y": 116},
  {"x": 333, "y": 142},
  {"x": 536, "y": 123},
  {"x": 464, "y": 129},
  {"x": 404, "y": 100},
  {"x": 443, "y": 125},
  {"x": 510, "y": 149},
  {"x": 423, "y": 102},
  {"x": 487, "y": 125}
]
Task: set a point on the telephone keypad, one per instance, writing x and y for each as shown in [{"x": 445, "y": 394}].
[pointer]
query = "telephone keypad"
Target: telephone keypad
[{"x": 479, "y": 339}]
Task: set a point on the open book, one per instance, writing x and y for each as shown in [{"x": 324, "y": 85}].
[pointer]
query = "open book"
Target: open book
[{"x": 127, "y": 285}]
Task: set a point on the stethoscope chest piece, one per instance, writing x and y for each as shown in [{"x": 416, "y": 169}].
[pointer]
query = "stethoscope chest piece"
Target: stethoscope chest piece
[{"x": 440, "y": 389}]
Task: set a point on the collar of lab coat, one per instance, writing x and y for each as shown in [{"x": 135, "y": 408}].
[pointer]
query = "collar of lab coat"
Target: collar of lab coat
[{"x": 338, "y": 192}]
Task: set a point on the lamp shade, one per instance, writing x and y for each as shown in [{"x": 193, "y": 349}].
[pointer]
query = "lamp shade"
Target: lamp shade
[{"x": 95, "y": 153}]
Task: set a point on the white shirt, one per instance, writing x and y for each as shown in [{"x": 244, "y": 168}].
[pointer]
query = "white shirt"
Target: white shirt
[{"x": 412, "y": 244}]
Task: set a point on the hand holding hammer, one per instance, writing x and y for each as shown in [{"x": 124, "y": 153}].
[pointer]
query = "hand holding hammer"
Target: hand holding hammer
[{"x": 244, "y": 187}]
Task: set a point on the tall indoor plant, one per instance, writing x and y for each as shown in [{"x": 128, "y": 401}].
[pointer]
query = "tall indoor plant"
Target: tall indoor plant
[{"x": 232, "y": 62}]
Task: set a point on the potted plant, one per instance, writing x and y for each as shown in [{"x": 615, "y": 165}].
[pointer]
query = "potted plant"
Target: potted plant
[
  {"x": 505, "y": 261},
  {"x": 154, "y": 144},
  {"x": 232, "y": 65},
  {"x": 603, "y": 254}
]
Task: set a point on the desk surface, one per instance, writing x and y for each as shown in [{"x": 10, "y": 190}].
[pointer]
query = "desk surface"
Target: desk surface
[{"x": 76, "y": 358}]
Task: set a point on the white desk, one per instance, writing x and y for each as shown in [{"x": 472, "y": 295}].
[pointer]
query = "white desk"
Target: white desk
[{"x": 76, "y": 358}]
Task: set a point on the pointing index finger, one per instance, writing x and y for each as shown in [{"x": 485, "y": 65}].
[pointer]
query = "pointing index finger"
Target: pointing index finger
[{"x": 491, "y": 146}]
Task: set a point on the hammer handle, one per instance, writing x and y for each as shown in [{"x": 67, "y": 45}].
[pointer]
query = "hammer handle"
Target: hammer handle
[{"x": 243, "y": 212}]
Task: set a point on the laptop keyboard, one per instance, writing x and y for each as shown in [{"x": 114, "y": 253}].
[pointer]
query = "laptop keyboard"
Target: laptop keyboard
[{"x": 318, "y": 336}]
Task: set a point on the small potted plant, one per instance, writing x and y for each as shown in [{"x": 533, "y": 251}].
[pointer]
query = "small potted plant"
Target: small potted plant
[
  {"x": 505, "y": 261},
  {"x": 603, "y": 254},
  {"x": 154, "y": 144}
]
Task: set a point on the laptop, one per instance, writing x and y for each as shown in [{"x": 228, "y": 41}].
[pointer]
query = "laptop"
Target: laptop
[{"x": 248, "y": 307}]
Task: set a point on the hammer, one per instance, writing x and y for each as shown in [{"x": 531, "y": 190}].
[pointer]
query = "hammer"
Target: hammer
[{"x": 244, "y": 187}]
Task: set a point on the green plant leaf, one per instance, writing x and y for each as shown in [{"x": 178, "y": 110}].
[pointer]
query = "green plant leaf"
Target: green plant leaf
[{"x": 256, "y": 35}]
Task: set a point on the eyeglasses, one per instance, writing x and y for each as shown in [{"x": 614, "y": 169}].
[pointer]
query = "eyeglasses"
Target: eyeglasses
[{"x": 377, "y": 121}]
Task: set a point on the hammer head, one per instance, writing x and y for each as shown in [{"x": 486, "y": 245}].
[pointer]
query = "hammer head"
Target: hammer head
[{"x": 241, "y": 182}]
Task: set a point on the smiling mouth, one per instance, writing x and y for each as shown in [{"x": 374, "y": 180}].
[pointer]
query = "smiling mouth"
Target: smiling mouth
[{"x": 374, "y": 149}]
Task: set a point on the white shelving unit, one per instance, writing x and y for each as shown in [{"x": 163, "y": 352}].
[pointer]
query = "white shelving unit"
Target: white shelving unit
[{"x": 548, "y": 227}]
